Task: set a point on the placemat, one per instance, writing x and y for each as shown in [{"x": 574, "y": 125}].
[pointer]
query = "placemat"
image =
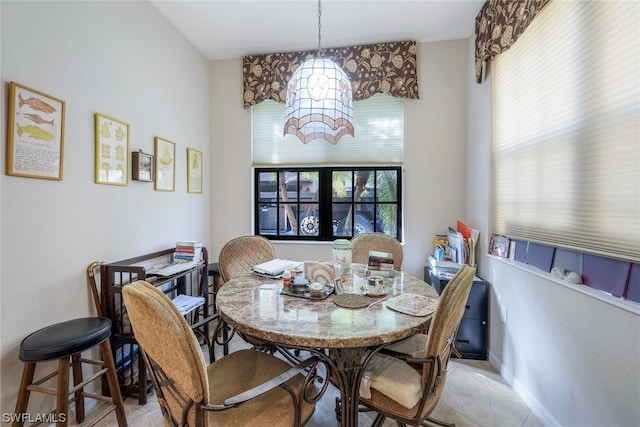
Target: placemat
[
  {"x": 351, "y": 300},
  {"x": 413, "y": 304}
]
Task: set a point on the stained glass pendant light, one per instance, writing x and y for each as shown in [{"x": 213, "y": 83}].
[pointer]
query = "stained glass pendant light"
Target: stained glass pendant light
[{"x": 319, "y": 102}]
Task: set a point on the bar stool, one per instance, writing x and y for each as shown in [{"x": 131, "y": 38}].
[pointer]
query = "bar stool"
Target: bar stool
[
  {"x": 65, "y": 342},
  {"x": 214, "y": 272}
]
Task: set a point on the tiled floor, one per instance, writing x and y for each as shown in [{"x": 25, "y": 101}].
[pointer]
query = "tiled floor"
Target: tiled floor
[{"x": 475, "y": 395}]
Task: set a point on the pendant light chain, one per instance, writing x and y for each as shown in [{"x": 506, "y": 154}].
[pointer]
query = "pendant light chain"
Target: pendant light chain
[{"x": 319, "y": 27}]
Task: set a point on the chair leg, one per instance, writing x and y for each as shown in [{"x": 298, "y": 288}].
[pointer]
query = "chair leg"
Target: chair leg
[
  {"x": 23, "y": 395},
  {"x": 437, "y": 422},
  {"x": 112, "y": 379},
  {"x": 62, "y": 408},
  {"x": 76, "y": 368},
  {"x": 379, "y": 421}
]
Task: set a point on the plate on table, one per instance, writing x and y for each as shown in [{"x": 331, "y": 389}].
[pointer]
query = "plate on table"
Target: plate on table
[
  {"x": 306, "y": 293},
  {"x": 373, "y": 292},
  {"x": 322, "y": 273}
]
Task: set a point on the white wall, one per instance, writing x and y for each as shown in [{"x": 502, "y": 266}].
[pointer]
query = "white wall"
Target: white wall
[
  {"x": 574, "y": 359},
  {"x": 122, "y": 59},
  {"x": 435, "y": 141}
]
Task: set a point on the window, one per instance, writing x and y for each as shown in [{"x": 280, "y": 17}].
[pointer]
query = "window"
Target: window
[
  {"x": 566, "y": 126},
  {"x": 320, "y": 191},
  {"x": 327, "y": 203}
]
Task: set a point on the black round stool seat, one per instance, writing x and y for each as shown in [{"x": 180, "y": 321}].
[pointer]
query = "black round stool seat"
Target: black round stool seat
[
  {"x": 65, "y": 339},
  {"x": 213, "y": 269}
]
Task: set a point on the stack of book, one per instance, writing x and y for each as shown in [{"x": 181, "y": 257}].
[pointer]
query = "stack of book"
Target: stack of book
[
  {"x": 188, "y": 250},
  {"x": 381, "y": 263}
]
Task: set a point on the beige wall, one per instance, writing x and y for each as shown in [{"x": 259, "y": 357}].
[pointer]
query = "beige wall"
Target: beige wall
[
  {"x": 122, "y": 59},
  {"x": 434, "y": 165}
]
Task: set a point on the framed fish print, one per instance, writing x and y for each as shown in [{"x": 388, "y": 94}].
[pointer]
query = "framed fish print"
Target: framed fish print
[
  {"x": 165, "y": 155},
  {"x": 194, "y": 170},
  {"x": 112, "y": 151},
  {"x": 35, "y": 137}
]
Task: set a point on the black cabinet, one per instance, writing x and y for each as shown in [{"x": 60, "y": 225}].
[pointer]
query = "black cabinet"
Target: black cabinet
[{"x": 471, "y": 339}]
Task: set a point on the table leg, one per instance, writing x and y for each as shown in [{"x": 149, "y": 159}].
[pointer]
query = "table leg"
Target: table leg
[{"x": 348, "y": 367}]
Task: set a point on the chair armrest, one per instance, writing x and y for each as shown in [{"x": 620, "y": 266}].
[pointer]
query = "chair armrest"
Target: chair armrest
[{"x": 272, "y": 383}]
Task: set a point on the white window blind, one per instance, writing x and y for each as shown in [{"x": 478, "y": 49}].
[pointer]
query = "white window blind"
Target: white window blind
[
  {"x": 565, "y": 129},
  {"x": 379, "y": 137}
]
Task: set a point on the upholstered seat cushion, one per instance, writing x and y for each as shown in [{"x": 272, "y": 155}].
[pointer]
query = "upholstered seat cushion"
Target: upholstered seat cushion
[
  {"x": 242, "y": 370},
  {"x": 414, "y": 346},
  {"x": 393, "y": 378}
]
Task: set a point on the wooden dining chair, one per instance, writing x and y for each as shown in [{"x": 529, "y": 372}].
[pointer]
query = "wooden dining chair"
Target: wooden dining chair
[
  {"x": 406, "y": 382},
  {"x": 238, "y": 256},
  {"x": 246, "y": 387},
  {"x": 362, "y": 243}
]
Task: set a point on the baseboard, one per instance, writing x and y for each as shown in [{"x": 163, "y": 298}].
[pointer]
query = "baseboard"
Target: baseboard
[{"x": 536, "y": 407}]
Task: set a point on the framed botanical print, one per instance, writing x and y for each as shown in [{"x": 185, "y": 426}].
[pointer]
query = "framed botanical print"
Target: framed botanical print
[
  {"x": 112, "y": 151},
  {"x": 194, "y": 170},
  {"x": 165, "y": 160},
  {"x": 35, "y": 134}
]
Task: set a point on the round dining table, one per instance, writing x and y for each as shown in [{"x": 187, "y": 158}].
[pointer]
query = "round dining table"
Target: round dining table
[{"x": 346, "y": 338}]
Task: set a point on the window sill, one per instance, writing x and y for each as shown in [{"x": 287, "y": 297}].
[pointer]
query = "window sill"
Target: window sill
[{"x": 621, "y": 303}]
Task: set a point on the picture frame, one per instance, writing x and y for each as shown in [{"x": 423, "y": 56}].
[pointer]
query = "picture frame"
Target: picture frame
[
  {"x": 337, "y": 285},
  {"x": 499, "y": 246},
  {"x": 35, "y": 134},
  {"x": 165, "y": 162},
  {"x": 194, "y": 170},
  {"x": 112, "y": 150},
  {"x": 141, "y": 166}
]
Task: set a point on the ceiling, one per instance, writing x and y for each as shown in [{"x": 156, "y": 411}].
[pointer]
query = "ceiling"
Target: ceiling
[{"x": 223, "y": 29}]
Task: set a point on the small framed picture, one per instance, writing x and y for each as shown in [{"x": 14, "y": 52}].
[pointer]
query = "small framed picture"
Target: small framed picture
[
  {"x": 499, "y": 246},
  {"x": 141, "y": 166},
  {"x": 194, "y": 170},
  {"x": 112, "y": 151},
  {"x": 165, "y": 153},
  {"x": 337, "y": 285},
  {"x": 35, "y": 137}
]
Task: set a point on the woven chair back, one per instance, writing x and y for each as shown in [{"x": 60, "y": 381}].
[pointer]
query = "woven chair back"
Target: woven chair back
[
  {"x": 365, "y": 242},
  {"x": 238, "y": 256},
  {"x": 165, "y": 336}
]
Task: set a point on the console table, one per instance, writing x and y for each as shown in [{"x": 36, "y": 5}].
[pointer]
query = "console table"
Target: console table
[{"x": 113, "y": 276}]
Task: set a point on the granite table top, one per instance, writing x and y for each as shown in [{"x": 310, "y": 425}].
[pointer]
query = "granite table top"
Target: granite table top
[{"x": 255, "y": 307}]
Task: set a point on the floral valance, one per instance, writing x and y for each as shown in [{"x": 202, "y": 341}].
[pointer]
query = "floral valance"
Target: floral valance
[
  {"x": 499, "y": 24},
  {"x": 385, "y": 67}
]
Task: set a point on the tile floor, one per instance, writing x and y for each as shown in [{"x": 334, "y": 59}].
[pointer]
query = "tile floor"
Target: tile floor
[{"x": 475, "y": 395}]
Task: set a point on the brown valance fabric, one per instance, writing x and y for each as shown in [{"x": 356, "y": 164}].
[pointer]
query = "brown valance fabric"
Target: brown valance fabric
[
  {"x": 390, "y": 68},
  {"x": 499, "y": 24}
]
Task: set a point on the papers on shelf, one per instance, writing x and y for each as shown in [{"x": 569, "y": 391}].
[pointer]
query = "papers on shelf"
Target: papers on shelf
[
  {"x": 441, "y": 266},
  {"x": 275, "y": 267},
  {"x": 186, "y": 303},
  {"x": 413, "y": 304},
  {"x": 173, "y": 268}
]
